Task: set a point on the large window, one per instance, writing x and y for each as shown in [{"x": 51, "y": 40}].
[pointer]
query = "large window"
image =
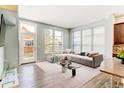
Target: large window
[
  {"x": 98, "y": 39},
  {"x": 48, "y": 41},
  {"x": 89, "y": 40},
  {"x": 86, "y": 40},
  {"x": 53, "y": 41},
  {"x": 58, "y": 42},
  {"x": 77, "y": 41}
]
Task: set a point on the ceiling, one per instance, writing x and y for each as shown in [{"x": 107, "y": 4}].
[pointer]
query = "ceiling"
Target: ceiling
[{"x": 69, "y": 16}]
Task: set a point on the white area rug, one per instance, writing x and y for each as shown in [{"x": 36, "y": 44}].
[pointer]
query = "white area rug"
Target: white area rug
[{"x": 65, "y": 80}]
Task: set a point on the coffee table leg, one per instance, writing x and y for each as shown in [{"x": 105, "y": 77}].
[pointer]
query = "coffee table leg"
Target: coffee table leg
[{"x": 73, "y": 72}]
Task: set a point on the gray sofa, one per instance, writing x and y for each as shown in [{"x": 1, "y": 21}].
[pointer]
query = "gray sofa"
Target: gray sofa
[
  {"x": 94, "y": 61},
  {"x": 88, "y": 61}
]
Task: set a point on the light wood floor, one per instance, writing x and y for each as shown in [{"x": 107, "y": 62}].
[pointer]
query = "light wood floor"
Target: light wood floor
[{"x": 31, "y": 75}]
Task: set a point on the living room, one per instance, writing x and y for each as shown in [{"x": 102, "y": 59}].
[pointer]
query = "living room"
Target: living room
[{"x": 52, "y": 42}]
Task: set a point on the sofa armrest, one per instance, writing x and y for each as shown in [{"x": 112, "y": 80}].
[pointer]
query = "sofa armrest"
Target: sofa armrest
[{"x": 97, "y": 59}]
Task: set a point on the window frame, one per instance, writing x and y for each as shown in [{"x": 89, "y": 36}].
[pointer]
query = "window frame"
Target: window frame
[{"x": 53, "y": 41}]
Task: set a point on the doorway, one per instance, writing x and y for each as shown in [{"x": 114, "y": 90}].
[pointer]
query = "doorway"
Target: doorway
[{"x": 27, "y": 42}]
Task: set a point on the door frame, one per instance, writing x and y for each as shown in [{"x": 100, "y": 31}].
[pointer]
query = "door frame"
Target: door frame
[{"x": 19, "y": 34}]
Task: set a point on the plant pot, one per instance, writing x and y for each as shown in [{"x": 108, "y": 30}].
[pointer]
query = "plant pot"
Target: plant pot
[{"x": 122, "y": 61}]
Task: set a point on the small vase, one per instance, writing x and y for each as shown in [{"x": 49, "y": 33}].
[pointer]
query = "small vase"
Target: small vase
[{"x": 122, "y": 61}]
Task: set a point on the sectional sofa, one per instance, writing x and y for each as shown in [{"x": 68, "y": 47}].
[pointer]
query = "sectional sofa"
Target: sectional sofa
[
  {"x": 94, "y": 61},
  {"x": 88, "y": 61}
]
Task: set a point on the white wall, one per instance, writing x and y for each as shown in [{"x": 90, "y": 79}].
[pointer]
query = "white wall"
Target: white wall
[
  {"x": 11, "y": 46},
  {"x": 1, "y": 60},
  {"x": 11, "y": 38},
  {"x": 109, "y": 36}
]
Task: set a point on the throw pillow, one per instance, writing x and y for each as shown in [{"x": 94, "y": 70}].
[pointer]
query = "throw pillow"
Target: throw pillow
[
  {"x": 82, "y": 53},
  {"x": 92, "y": 54}
]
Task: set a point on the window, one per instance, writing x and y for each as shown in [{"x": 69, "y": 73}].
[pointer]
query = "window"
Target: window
[
  {"x": 77, "y": 41},
  {"x": 48, "y": 41},
  {"x": 98, "y": 39},
  {"x": 53, "y": 41},
  {"x": 86, "y": 40},
  {"x": 89, "y": 40},
  {"x": 58, "y": 44}
]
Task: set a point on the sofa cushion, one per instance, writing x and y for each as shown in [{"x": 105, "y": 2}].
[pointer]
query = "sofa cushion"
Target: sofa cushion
[
  {"x": 68, "y": 51},
  {"x": 87, "y": 58},
  {"x": 81, "y": 57}
]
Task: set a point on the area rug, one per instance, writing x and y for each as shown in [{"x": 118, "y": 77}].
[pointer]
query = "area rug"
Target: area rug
[
  {"x": 101, "y": 80},
  {"x": 57, "y": 79}
]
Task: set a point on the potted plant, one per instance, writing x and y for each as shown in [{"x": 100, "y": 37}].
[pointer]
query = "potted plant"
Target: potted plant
[{"x": 121, "y": 56}]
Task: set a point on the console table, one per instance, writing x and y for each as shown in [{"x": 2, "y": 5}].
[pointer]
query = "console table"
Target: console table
[{"x": 114, "y": 68}]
